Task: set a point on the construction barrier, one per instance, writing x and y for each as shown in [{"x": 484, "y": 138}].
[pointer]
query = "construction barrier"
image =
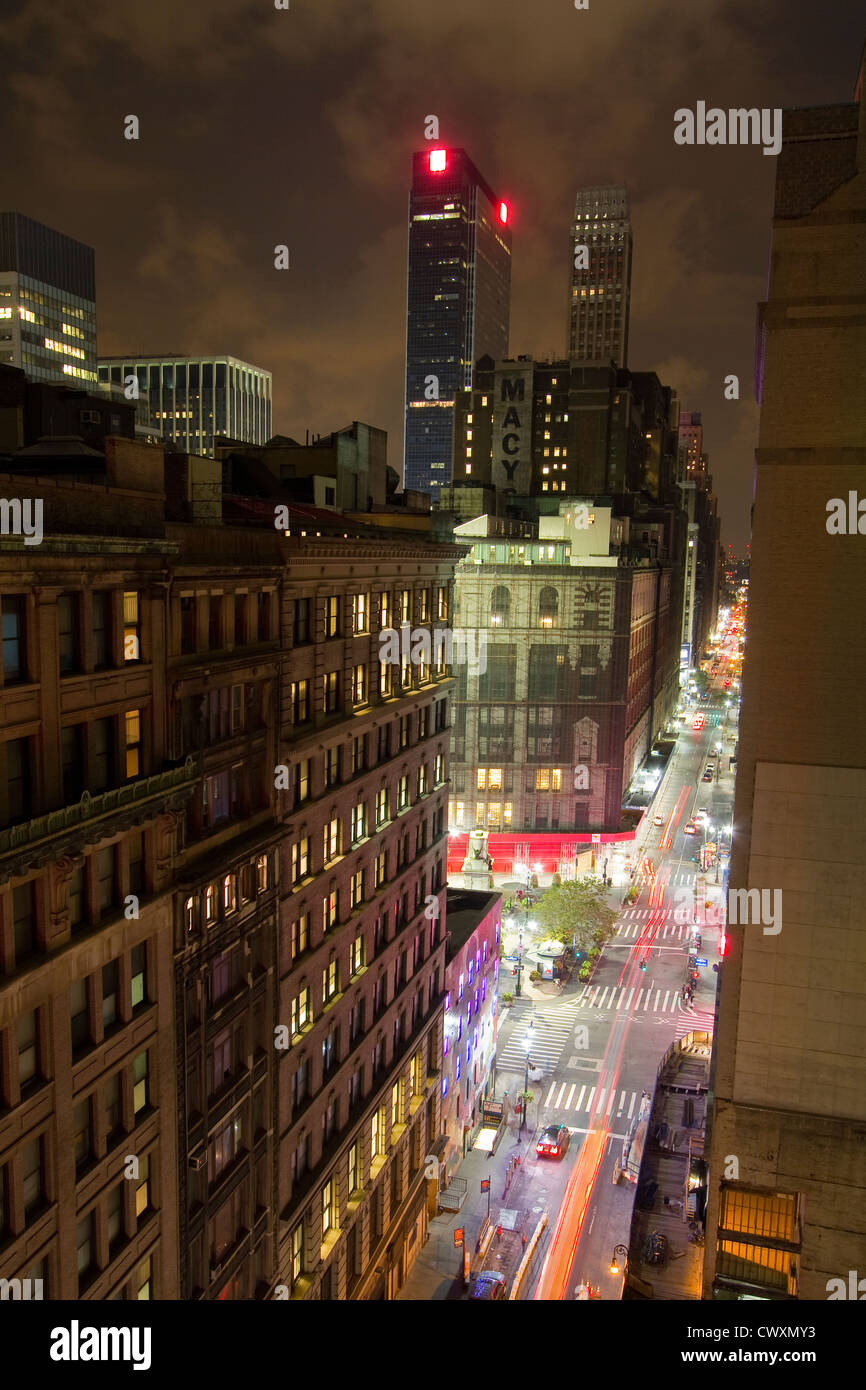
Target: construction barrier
[{"x": 525, "y": 1262}]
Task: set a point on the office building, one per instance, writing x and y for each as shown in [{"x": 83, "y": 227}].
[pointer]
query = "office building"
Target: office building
[
  {"x": 459, "y": 280},
  {"x": 47, "y": 302},
  {"x": 600, "y": 290},
  {"x": 786, "y": 1214},
  {"x": 532, "y": 428},
  {"x": 191, "y": 400}
]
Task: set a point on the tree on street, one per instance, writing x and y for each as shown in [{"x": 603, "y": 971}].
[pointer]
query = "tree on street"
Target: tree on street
[{"x": 577, "y": 909}]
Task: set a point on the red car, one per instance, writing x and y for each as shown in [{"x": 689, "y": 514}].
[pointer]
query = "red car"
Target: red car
[{"x": 553, "y": 1142}]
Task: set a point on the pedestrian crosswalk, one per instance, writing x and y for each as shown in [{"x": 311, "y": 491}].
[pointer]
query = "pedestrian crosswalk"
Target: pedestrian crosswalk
[
  {"x": 630, "y": 999},
  {"x": 694, "y": 1018},
  {"x": 551, "y": 1031},
  {"x": 675, "y": 925},
  {"x": 607, "y": 1102}
]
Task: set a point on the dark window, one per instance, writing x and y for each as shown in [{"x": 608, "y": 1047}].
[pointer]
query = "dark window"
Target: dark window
[
  {"x": 32, "y": 1177},
  {"x": 135, "y": 843},
  {"x": 497, "y": 682},
  {"x": 240, "y": 620},
  {"x": 302, "y": 621},
  {"x": 18, "y": 779},
  {"x": 548, "y": 673},
  {"x": 67, "y": 633},
  {"x": 101, "y": 629},
  {"x": 214, "y": 621},
  {"x": 113, "y": 1107},
  {"x": 106, "y": 889},
  {"x": 82, "y": 1134},
  {"x": 79, "y": 1016},
  {"x": 24, "y": 920},
  {"x": 14, "y": 645},
  {"x": 76, "y": 897},
  {"x": 102, "y": 755},
  {"x": 110, "y": 976},
  {"x": 28, "y": 1049},
  {"x": 72, "y": 761},
  {"x": 187, "y": 624},
  {"x": 85, "y": 1241}
]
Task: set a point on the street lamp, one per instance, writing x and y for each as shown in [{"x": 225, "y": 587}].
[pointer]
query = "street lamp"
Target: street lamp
[
  {"x": 620, "y": 1258},
  {"x": 527, "y": 1044}
]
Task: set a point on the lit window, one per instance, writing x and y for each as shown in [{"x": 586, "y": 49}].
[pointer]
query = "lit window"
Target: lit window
[
  {"x": 131, "y": 642},
  {"x": 133, "y": 742}
]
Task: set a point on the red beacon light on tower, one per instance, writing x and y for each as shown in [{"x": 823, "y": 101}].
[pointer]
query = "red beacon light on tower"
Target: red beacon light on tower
[
  {"x": 438, "y": 161},
  {"x": 503, "y": 212}
]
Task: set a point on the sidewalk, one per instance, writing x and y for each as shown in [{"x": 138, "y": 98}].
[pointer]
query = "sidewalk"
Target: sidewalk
[{"x": 437, "y": 1273}]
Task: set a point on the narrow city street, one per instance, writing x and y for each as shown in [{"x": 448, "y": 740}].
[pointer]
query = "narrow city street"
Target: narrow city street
[{"x": 596, "y": 1048}]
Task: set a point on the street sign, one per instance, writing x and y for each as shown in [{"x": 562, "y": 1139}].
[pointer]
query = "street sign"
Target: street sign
[
  {"x": 700, "y": 961},
  {"x": 485, "y": 1184},
  {"x": 458, "y": 1235}
]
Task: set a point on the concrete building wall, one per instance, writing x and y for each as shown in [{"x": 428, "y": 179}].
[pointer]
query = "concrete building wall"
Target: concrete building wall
[{"x": 789, "y": 1081}]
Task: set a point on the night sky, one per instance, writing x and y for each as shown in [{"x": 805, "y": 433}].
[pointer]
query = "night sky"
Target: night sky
[{"x": 262, "y": 126}]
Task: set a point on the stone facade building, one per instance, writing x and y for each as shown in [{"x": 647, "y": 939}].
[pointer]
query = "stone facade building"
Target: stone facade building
[
  {"x": 222, "y": 822},
  {"x": 581, "y": 630},
  {"x": 788, "y": 1221}
]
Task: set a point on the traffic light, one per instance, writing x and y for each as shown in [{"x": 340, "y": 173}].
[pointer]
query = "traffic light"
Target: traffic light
[{"x": 643, "y": 965}]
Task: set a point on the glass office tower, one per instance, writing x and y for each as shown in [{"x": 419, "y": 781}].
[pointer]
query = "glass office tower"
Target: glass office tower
[
  {"x": 459, "y": 284},
  {"x": 47, "y": 302},
  {"x": 192, "y": 399},
  {"x": 601, "y": 291}
]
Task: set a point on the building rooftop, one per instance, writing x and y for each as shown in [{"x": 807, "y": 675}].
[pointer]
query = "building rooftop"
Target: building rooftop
[{"x": 466, "y": 909}]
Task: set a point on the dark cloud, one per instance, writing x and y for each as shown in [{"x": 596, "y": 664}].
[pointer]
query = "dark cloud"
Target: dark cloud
[{"x": 261, "y": 126}]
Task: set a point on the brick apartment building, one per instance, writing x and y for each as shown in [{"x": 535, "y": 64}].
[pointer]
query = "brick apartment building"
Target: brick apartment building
[{"x": 220, "y": 822}]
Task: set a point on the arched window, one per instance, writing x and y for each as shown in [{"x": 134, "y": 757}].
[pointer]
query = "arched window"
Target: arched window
[
  {"x": 500, "y": 606},
  {"x": 548, "y": 608}
]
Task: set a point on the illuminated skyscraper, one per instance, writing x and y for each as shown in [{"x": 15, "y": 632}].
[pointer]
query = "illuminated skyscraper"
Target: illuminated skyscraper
[
  {"x": 47, "y": 302},
  {"x": 600, "y": 291},
  {"x": 457, "y": 302}
]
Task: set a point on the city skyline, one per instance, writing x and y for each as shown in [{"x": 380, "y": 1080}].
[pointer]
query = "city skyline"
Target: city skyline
[
  {"x": 332, "y": 327},
  {"x": 401, "y": 772}
]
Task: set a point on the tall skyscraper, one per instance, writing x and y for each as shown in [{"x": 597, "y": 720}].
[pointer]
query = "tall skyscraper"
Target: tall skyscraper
[
  {"x": 47, "y": 301},
  {"x": 192, "y": 399},
  {"x": 787, "y": 1179},
  {"x": 600, "y": 290},
  {"x": 457, "y": 302}
]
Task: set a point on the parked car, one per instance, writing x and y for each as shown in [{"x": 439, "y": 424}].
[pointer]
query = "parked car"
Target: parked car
[
  {"x": 553, "y": 1142},
  {"x": 708, "y": 775},
  {"x": 488, "y": 1284},
  {"x": 658, "y": 820}
]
